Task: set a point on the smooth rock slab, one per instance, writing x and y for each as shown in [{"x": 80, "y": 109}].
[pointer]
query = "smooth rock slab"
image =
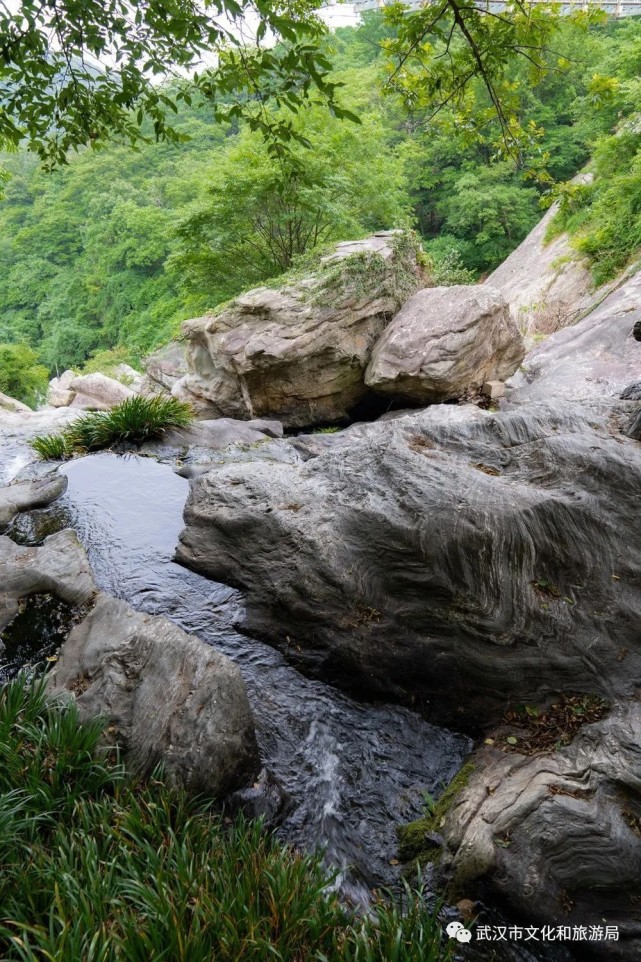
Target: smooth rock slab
[
  {"x": 445, "y": 341},
  {"x": 167, "y": 697},
  {"x": 558, "y": 836},
  {"x": 598, "y": 357},
  {"x": 11, "y": 404},
  {"x": 455, "y": 558}
]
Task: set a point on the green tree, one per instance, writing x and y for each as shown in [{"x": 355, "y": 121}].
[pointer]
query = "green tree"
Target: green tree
[
  {"x": 21, "y": 375},
  {"x": 262, "y": 214},
  {"x": 77, "y": 72},
  {"x": 489, "y": 213}
]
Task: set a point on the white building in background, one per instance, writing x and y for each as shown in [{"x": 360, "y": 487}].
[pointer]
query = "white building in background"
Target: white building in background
[{"x": 347, "y": 14}]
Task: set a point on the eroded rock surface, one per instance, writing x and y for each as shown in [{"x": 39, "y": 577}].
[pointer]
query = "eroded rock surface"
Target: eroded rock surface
[
  {"x": 558, "y": 836},
  {"x": 299, "y": 353},
  {"x": 454, "y": 557},
  {"x": 168, "y": 697},
  {"x": 596, "y": 357},
  {"x": 98, "y": 392},
  {"x": 547, "y": 284},
  {"x": 445, "y": 341},
  {"x": 28, "y": 494}
]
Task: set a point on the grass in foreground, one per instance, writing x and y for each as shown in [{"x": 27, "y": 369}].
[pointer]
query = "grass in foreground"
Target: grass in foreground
[
  {"x": 135, "y": 420},
  {"x": 97, "y": 867}
]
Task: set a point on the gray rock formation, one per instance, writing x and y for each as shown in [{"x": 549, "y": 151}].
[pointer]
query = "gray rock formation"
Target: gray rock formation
[
  {"x": 456, "y": 557},
  {"x": 633, "y": 429},
  {"x": 60, "y": 393},
  {"x": 444, "y": 341},
  {"x": 165, "y": 367},
  {"x": 29, "y": 494},
  {"x": 558, "y": 836},
  {"x": 10, "y": 404},
  {"x": 168, "y": 698},
  {"x": 59, "y": 567},
  {"x": 632, "y": 392},
  {"x": 202, "y": 437},
  {"x": 98, "y": 392},
  {"x": 299, "y": 353},
  {"x": 547, "y": 285},
  {"x": 596, "y": 357},
  {"x": 130, "y": 377}
]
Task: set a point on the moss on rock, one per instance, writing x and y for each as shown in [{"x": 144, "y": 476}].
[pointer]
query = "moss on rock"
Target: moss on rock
[{"x": 415, "y": 838}]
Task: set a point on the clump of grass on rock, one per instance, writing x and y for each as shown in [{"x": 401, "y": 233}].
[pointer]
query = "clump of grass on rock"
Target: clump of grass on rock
[
  {"x": 135, "y": 420},
  {"x": 95, "y": 866}
]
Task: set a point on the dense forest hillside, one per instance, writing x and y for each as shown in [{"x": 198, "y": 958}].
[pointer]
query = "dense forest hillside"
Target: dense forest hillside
[{"x": 113, "y": 251}]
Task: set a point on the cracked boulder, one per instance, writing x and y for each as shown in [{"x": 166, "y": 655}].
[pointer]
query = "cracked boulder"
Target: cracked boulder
[
  {"x": 455, "y": 558},
  {"x": 298, "y": 353},
  {"x": 167, "y": 697},
  {"x": 557, "y": 836}
]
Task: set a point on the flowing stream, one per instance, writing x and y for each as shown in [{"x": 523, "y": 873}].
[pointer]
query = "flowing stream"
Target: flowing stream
[{"x": 354, "y": 771}]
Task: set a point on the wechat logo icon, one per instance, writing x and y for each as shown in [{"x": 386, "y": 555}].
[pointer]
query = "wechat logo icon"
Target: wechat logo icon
[{"x": 456, "y": 930}]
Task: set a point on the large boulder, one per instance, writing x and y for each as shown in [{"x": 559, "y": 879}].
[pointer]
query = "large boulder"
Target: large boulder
[
  {"x": 60, "y": 393},
  {"x": 457, "y": 558},
  {"x": 130, "y": 377},
  {"x": 596, "y": 357},
  {"x": 98, "y": 392},
  {"x": 558, "y": 836},
  {"x": 444, "y": 341},
  {"x": 167, "y": 697},
  {"x": 299, "y": 353}
]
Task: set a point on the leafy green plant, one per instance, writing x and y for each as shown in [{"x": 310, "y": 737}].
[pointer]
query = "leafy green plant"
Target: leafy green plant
[
  {"x": 120, "y": 870},
  {"x": 134, "y": 420},
  {"x": 50, "y": 447},
  {"x": 21, "y": 375}
]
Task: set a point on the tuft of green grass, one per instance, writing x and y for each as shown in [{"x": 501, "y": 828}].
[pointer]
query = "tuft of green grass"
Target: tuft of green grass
[
  {"x": 135, "y": 420},
  {"x": 99, "y": 867},
  {"x": 50, "y": 447}
]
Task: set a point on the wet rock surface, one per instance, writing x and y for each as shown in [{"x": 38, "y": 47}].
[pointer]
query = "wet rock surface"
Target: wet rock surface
[
  {"x": 455, "y": 558},
  {"x": 24, "y": 495},
  {"x": 58, "y": 567}
]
